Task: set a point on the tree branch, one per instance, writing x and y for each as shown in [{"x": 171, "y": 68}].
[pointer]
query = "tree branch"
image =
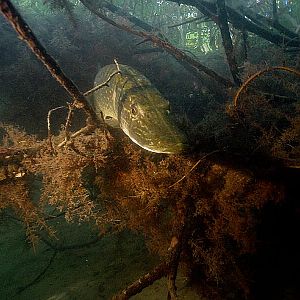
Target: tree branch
[
  {"x": 38, "y": 277},
  {"x": 120, "y": 12},
  {"x": 170, "y": 265},
  {"x": 144, "y": 281},
  {"x": 264, "y": 21},
  {"x": 240, "y": 22},
  {"x": 26, "y": 34},
  {"x": 180, "y": 56},
  {"x": 200, "y": 19},
  {"x": 227, "y": 42},
  {"x": 275, "y": 11}
]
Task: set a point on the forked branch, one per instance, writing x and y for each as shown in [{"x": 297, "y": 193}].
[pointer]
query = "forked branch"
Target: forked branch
[{"x": 179, "y": 55}]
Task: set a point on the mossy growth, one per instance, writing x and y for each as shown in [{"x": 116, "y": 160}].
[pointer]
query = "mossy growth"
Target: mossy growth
[{"x": 116, "y": 185}]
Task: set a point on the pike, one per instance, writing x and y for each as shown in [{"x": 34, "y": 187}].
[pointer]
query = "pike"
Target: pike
[{"x": 130, "y": 100}]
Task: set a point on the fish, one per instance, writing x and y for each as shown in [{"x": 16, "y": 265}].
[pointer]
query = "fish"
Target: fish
[{"x": 132, "y": 102}]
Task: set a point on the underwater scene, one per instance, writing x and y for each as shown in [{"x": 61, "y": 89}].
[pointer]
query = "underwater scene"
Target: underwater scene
[{"x": 149, "y": 149}]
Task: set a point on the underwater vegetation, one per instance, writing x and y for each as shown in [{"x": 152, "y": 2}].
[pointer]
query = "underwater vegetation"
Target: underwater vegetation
[
  {"x": 198, "y": 211},
  {"x": 113, "y": 184}
]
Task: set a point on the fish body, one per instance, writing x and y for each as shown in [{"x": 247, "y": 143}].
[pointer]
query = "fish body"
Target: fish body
[{"x": 139, "y": 109}]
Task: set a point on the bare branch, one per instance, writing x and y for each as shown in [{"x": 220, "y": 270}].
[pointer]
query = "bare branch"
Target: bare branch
[
  {"x": 144, "y": 281},
  {"x": 26, "y": 34},
  {"x": 84, "y": 130},
  {"x": 179, "y": 55},
  {"x": 227, "y": 42},
  {"x": 201, "y": 19},
  {"x": 99, "y": 86}
]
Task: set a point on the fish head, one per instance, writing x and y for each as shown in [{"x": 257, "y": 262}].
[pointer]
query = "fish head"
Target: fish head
[{"x": 145, "y": 117}]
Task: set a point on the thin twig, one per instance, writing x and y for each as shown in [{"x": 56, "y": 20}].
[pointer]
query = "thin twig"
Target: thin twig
[
  {"x": 105, "y": 83},
  {"x": 69, "y": 247},
  {"x": 193, "y": 167},
  {"x": 37, "y": 278},
  {"x": 256, "y": 75},
  {"x": 86, "y": 129},
  {"x": 68, "y": 121},
  {"x": 202, "y": 19},
  {"x": 49, "y": 124}
]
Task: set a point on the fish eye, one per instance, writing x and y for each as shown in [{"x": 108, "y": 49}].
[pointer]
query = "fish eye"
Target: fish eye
[{"x": 133, "y": 109}]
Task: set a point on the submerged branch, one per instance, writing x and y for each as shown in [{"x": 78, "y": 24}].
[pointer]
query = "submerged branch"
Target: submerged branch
[
  {"x": 122, "y": 13},
  {"x": 194, "y": 167},
  {"x": 227, "y": 42},
  {"x": 240, "y": 22},
  {"x": 57, "y": 248},
  {"x": 264, "y": 21},
  {"x": 105, "y": 83},
  {"x": 49, "y": 125},
  {"x": 85, "y": 130},
  {"x": 143, "y": 282},
  {"x": 179, "y": 55},
  {"x": 38, "y": 277},
  {"x": 26, "y": 34},
  {"x": 169, "y": 267},
  {"x": 200, "y": 19}
]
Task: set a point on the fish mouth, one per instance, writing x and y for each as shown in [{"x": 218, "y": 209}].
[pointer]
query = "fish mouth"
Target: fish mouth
[
  {"x": 170, "y": 146},
  {"x": 159, "y": 137}
]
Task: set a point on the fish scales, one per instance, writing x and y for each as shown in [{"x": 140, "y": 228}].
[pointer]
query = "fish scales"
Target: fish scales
[{"x": 138, "y": 108}]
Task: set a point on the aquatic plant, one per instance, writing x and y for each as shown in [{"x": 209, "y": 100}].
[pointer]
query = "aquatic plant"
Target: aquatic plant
[
  {"x": 212, "y": 211},
  {"x": 199, "y": 211}
]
